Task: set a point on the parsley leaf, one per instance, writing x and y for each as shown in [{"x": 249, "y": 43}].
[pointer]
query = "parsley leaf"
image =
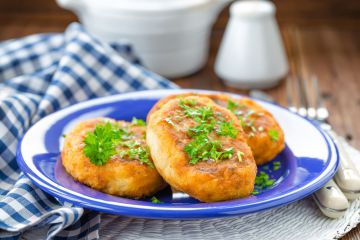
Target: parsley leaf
[
  {"x": 262, "y": 181},
  {"x": 170, "y": 121},
  {"x": 202, "y": 128},
  {"x": 276, "y": 165},
  {"x": 134, "y": 151},
  {"x": 190, "y": 102},
  {"x": 155, "y": 200},
  {"x": 231, "y": 105},
  {"x": 199, "y": 113},
  {"x": 227, "y": 129},
  {"x": 138, "y": 122},
  {"x": 99, "y": 144},
  {"x": 249, "y": 113},
  {"x": 201, "y": 148},
  {"x": 242, "y": 121},
  {"x": 140, "y": 153},
  {"x": 274, "y": 134},
  {"x": 239, "y": 155},
  {"x": 255, "y": 192},
  {"x": 227, "y": 153}
]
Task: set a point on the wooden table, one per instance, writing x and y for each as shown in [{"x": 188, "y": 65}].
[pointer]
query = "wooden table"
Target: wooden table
[{"x": 327, "y": 45}]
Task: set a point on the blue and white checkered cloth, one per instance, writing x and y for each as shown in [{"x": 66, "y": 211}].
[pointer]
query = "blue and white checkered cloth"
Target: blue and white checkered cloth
[{"x": 41, "y": 74}]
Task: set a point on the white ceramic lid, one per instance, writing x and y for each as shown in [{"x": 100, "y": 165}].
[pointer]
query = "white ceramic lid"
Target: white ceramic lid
[
  {"x": 252, "y": 8},
  {"x": 146, "y": 6}
]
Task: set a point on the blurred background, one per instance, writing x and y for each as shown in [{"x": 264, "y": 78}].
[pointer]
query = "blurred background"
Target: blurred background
[{"x": 323, "y": 35}]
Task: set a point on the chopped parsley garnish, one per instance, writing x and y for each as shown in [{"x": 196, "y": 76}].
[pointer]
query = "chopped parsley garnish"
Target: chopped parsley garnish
[
  {"x": 227, "y": 153},
  {"x": 244, "y": 116},
  {"x": 190, "y": 102},
  {"x": 276, "y": 165},
  {"x": 249, "y": 113},
  {"x": 155, "y": 200},
  {"x": 202, "y": 147},
  {"x": 138, "y": 122},
  {"x": 239, "y": 155},
  {"x": 231, "y": 105},
  {"x": 255, "y": 192},
  {"x": 274, "y": 134},
  {"x": 140, "y": 153},
  {"x": 170, "y": 121},
  {"x": 227, "y": 129},
  {"x": 102, "y": 143},
  {"x": 247, "y": 122},
  {"x": 199, "y": 113},
  {"x": 242, "y": 121},
  {"x": 262, "y": 181},
  {"x": 202, "y": 128},
  {"x": 64, "y": 135}
]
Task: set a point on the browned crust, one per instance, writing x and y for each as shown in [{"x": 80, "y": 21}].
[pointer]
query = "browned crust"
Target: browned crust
[
  {"x": 263, "y": 147},
  {"x": 121, "y": 177},
  {"x": 206, "y": 181}
]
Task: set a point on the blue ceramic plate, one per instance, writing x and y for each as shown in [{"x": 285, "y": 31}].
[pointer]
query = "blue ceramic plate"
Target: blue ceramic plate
[{"x": 309, "y": 160}]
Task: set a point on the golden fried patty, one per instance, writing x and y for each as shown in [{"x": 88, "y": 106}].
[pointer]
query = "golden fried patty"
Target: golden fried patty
[
  {"x": 264, "y": 135},
  {"x": 123, "y": 174},
  {"x": 200, "y": 148}
]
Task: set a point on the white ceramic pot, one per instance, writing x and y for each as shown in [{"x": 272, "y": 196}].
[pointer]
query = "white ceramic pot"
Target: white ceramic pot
[
  {"x": 170, "y": 36},
  {"x": 252, "y": 54}
]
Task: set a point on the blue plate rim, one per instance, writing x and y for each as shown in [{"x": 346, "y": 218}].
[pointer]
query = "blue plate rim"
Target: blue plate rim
[{"x": 183, "y": 212}]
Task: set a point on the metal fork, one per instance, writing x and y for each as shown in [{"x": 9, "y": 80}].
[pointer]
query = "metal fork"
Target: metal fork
[{"x": 330, "y": 198}]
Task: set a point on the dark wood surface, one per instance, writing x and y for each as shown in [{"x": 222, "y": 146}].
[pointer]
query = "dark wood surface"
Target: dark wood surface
[{"x": 325, "y": 35}]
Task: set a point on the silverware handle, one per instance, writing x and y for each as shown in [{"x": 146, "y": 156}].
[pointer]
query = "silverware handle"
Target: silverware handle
[
  {"x": 331, "y": 201},
  {"x": 347, "y": 176}
]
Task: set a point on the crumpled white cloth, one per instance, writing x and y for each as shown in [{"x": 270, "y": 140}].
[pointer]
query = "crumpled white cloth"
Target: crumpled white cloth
[{"x": 296, "y": 221}]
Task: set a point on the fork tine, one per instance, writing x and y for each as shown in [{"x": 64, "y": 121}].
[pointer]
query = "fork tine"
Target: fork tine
[
  {"x": 311, "y": 98},
  {"x": 321, "y": 111},
  {"x": 289, "y": 94},
  {"x": 302, "y": 110},
  {"x": 299, "y": 83}
]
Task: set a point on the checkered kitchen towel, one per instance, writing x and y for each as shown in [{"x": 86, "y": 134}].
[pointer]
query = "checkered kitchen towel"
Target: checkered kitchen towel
[{"x": 41, "y": 74}]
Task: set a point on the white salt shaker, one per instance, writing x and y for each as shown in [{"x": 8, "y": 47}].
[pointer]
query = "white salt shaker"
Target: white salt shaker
[{"x": 252, "y": 53}]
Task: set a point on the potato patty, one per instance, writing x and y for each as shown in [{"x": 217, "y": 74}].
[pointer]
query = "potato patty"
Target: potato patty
[
  {"x": 199, "y": 148},
  {"x": 122, "y": 174},
  {"x": 264, "y": 135}
]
